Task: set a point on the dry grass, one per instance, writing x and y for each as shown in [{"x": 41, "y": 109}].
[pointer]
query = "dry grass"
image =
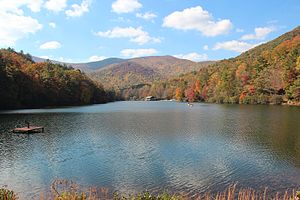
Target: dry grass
[
  {"x": 6, "y": 194},
  {"x": 69, "y": 190},
  {"x": 250, "y": 194}
]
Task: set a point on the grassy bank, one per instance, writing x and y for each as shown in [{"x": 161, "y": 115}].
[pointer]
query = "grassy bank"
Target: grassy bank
[{"x": 68, "y": 190}]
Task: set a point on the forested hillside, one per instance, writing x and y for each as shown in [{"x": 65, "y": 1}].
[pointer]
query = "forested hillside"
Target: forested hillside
[
  {"x": 269, "y": 73},
  {"x": 25, "y": 84},
  {"x": 143, "y": 71}
]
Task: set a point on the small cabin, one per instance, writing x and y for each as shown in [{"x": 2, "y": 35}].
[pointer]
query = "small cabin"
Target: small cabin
[{"x": 150, "y": 98}]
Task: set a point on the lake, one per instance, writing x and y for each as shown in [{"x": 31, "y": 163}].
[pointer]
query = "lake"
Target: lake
[{"x": 158, "y": 146}]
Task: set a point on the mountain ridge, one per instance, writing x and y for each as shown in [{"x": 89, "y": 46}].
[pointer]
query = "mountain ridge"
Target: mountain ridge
[
  {"x": 85, "y": 66},
  {"x": 98, "y": 65},
  {"x": 144, "y": 70}
]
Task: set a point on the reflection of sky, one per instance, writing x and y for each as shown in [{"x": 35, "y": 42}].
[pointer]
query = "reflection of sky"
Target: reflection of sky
[{"x": 154, "y": 146}]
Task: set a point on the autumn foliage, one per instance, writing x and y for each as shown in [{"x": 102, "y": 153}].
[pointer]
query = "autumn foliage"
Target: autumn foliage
[
  {"x": 25, "y": 84},
  {"x": 269, "y": 73}
]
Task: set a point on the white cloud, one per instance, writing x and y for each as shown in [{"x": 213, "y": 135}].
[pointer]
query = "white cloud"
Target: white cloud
[
  {"x": 13, "y": 6},
  {"x": 45, "y": 57},
  {"x": 192, "y": 56},
  {"x": 96, "y": 58},
  {"x": 126, "y": 6},
  {"x": 51, "y": 45},
  {"x": 196, "y": 18},
  {"x": 78, "y": 10},
  {"x": 52, "y": 24},
  {"x": 56, "y": 5},
  {"x": 234, "y": 45},
  {"x": 205, "y": 47},
  {"x": 16, "y": 26},
  {"x": 260, "y": 33},
  {"x": 146, "y": 16},
  {"x": 35, "y": 5},
  {"x": 137, "y": 35},
  {"x": 133, "y": 53}
]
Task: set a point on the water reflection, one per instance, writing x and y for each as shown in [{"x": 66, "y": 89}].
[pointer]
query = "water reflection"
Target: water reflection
[{"x": 133, "y": 146}]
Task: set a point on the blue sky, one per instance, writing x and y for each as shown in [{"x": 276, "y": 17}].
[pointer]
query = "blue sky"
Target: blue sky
[{"x": 90, "y": 30}]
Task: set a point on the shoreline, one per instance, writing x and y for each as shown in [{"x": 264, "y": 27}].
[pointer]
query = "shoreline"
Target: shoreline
[{"x": 291, "y": 103}]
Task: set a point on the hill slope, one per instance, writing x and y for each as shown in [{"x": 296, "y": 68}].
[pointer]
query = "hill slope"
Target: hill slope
[
  {"x": 269, "y": 73},
  {"x": 145, "y": 70},
  {"x": 85, "y": 67},
  {"x": 25, "y": 84}
]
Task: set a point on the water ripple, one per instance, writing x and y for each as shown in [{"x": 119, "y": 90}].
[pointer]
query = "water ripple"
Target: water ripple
[{"x": 156, "y": 146}]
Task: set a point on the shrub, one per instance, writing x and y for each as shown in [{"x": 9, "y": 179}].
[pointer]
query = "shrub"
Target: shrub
[
  {"x": 7, "y": 195},
  {"x": 276, "y": 99},
  {"x": 233, "y": 100},
  {"x": 263, "y": 99}
]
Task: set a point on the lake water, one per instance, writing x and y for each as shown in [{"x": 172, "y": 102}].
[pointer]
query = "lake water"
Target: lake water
[{"x": 158, "y": 146}]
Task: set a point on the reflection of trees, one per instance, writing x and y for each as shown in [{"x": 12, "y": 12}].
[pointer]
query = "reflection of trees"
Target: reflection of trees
[
  {"x": 282, "y": 130},
  {"x": 266, "y": 127}
]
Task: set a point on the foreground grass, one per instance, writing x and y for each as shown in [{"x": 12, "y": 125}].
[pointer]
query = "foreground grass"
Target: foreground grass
[
  {"x": 68, "y": 190},
  {"x": 6, "y": 194}
]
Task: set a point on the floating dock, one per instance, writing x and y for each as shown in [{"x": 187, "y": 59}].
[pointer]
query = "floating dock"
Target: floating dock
[{"x": 30, "y": 129}]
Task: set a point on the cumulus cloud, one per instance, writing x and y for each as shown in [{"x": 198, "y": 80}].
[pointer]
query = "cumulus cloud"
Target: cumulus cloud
[
  {"x": 96, "y": 58},
  {"x": 137, "y": 35},
  {"x": 260, "y": 33},
  {"x": 125, "y": 6},
  {"x": 234, "y": 45},
  {"x": 14, "y": 27},
  {"x": 52, "y": 25},
  {"x": 34, "y": 5},
  {"x": 196, "y": 18},
  {"x": 205, "y": 47},
  {"x": 133, "y": 53},
  {"x": 56, "y": 5},
  {"x": 78, "y": 10},
  {"x": 51, "y": 45},
  {"x": 13, "y": 6},
  {"x": 146, "y": 16},
  {"x": 192, "y": 56}
]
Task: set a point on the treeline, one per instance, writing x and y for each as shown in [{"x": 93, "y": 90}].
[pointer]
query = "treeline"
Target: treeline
[
  {"x": 269, "y": 73},
  {"x": 26, "y": 84}
]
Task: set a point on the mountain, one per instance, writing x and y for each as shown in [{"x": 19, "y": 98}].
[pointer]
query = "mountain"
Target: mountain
[
  {"x": 266, "y": 74},
  {"x": 145, "y": 70},
  {"x": 26, "y": 84},
  {"x": 85, "y": 67}
]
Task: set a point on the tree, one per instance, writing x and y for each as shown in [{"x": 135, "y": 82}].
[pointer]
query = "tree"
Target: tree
[
  {"x": 179, "y": 94},
  {"x": 198, "y": 87},
  {"x": 298, "y": 64},
  {"x": 190, "y": 94},
  {"x": 24, "y": 83}
]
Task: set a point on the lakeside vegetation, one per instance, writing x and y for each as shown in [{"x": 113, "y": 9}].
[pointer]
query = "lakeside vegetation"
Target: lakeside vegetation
[
  {"x": 69, "y": 190},
  {"x": 266, "y": 74},
  {"x": 26, "y": 84}
]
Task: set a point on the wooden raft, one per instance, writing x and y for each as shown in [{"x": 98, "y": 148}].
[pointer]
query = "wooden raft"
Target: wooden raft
[{"x": 31, "y": 129}]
